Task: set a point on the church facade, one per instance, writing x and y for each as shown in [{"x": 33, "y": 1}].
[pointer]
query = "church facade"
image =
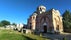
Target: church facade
[{"x": 45, "y": 21}]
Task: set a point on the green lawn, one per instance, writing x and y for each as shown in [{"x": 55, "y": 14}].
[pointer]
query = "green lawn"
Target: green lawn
[
  {"x": 11, "y": 35},
  {"x": 14, "y": 35}
]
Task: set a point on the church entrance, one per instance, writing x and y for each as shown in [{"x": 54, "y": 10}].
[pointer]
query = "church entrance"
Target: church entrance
[{"x": 45, "y": 29}]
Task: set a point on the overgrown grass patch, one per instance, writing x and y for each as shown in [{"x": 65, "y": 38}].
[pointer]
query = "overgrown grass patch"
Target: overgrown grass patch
[
  {"x": 14, "y": 35},
  {"x": 11, "y": 35}
]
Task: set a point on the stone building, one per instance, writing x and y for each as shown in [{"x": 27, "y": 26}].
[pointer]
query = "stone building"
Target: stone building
[
  {"x": 20, "y": 27},
  {"x": 45, "y": 21}
]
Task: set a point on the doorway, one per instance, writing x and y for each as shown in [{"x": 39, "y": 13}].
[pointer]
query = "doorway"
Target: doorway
[{"x": 45, "y": 29}]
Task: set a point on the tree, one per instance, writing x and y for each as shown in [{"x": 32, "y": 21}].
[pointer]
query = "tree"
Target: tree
[
  {"x": 67, "y": 20},
  {"x": 14, "y": 24},
  {"x": 5, "y": 22},
  {"x": 66, "y": 15},
  {"x": 1, "y": 24}
]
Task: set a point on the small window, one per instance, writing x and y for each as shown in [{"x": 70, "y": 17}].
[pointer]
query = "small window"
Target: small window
[
  {"x": 33, "y": 17},
  {"x": 40, "y": 9},
  {"x": 30, "y": 25}
]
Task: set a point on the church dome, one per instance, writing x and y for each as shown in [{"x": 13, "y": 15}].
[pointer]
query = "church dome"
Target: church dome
[{"x": 41, "y": 8}]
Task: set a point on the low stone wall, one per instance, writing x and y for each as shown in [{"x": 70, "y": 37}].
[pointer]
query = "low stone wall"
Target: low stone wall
[
  {"x": 2, "y": 28},
  {"x": 67, "y": 30},
  {"x": 27, "y": 31}
]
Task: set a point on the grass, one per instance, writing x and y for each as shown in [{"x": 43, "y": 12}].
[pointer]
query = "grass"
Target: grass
[
  {"x": 36, "y": 37},
  {"x": 11, "y": 35},
  {"x": 14, "y": 35}
]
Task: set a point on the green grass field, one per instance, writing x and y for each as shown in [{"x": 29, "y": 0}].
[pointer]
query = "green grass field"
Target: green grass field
[{"x": 14, "y": 35}]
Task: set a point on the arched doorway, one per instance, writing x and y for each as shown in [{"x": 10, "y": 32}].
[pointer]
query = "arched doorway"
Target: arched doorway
[
  {"x": 45, "y": 29},
  {"x": 44, "y": 24}
]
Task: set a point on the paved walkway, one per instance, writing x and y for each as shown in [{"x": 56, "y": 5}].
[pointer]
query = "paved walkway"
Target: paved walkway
[{"x": 58, "y": 36}]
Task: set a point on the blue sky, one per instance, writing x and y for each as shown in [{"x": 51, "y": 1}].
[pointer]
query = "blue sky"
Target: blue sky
[{"x": 18, "y": 11}]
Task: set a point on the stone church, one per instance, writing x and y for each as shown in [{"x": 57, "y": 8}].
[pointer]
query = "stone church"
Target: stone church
[{"x": 45, "y": 21}]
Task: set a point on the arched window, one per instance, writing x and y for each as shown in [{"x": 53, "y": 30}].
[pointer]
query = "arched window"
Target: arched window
[
  {"x": 33, "y": 17},
  {"x": 57, "y": 28}
]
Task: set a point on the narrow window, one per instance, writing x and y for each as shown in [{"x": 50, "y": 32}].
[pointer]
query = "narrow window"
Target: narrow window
[
  {"x": 57, "y": 27},
  {"x": 30, "y": 25}
]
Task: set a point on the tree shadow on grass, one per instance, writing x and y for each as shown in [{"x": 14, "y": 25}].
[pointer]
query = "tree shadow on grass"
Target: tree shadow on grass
[{"x": 28, "y": 38}]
